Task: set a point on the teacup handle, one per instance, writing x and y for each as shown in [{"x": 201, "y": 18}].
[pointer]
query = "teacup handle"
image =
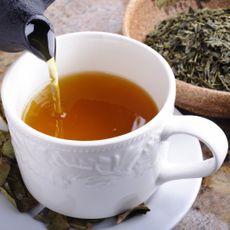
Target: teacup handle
[{"x": 207, "y": 132}]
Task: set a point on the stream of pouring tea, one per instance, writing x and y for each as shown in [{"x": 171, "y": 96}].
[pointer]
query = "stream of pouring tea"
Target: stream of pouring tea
[
  {"x": 54, "y": 86},
  {"x": 42, "y": 42},
  {"x": 55, "y": 92}
]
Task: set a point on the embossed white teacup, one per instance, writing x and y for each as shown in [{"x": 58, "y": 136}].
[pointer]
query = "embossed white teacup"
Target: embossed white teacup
[{"x": 95, "y": 179}]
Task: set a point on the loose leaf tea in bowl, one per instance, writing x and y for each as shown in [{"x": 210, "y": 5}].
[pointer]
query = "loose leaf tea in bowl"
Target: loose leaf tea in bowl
[
  {"x": 197, "y": 46},
  {"x": 142, "y": 17}
]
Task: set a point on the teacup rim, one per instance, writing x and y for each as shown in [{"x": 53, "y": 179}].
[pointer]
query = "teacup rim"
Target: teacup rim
[{"x": 170, "y": 99}]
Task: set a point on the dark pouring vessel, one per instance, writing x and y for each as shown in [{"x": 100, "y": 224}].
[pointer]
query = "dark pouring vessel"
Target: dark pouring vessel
[{"x": 24, "y": 27}]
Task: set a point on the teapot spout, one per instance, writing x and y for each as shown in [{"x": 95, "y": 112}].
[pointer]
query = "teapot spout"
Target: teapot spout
[{"x": 40, "y": 37}]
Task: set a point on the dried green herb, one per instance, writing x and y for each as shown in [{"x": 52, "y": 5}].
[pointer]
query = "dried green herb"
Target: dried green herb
[
  {"x": 4, "y": 137},
  {"x": 141, "y": 209},
  {"x": 11, "y": 184},
  {"x": 83, "y": 224},
  {"x": 7, "y": 149},
  {"x": 2, "y": 115},
  {"x": 52, "y": 220},
  {"x": 4, "y": 170},
  {"x": 23, "y": 199},
  {"x": 197, "y": 46},
  {"x": 55, "y": 221},
  {"x": 8, "y": 196}
]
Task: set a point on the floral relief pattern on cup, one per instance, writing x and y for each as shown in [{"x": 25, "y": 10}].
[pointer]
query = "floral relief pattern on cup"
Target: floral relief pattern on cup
[{"x": 134, "y": 159}]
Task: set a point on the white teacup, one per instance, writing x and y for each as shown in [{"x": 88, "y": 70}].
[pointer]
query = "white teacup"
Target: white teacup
[{"x": 96, "y": 179}]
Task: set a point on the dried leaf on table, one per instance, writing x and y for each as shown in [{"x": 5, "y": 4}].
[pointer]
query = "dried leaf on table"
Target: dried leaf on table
[
  {"x": 4, "y": 170},
  {"x": 8, "y": 196},
  {"x": 4, "y": 136},
  {"x": 141, "y": 209},
  {"x": 7, "y": 150},
  {"x": 2, "y": 110},
  {"x": 54, "y": 221},
  {"x": 23, "y": 199},
  {"x": 82, "y": 224}
]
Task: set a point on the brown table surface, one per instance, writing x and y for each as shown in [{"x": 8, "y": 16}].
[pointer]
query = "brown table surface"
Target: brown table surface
[{"x": 211, "y": 209}]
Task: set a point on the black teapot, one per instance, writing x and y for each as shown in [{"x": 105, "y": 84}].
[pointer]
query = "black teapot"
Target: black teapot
[{"x": 24, "y": 27}]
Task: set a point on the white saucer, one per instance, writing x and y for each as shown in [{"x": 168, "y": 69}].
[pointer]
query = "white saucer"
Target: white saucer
[{"x": 168, "y": 205}]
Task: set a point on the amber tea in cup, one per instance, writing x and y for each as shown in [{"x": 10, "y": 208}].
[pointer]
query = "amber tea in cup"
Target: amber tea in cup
[{"x": 95, "y": 106}]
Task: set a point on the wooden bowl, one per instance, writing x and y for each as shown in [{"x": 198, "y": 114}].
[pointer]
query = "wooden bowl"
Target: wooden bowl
[{"x": 140, "y": 18}]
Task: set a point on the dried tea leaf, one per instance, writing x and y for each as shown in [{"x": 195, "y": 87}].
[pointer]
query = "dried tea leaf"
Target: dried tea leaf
[
  {"x": 58, "y": 223},
  {"x": 8, "y": 196},
  {"x": 4, "y": 170},
  {"x": 196, "y": 44},
  {"x": 2, "y": 114},
  {"x": 141, "y": 209},
  {"x": 43, "y": 216},
  {"x": 24, "y": 200},
  {"x": 4, "y": 136},
  {"x": 53, "y": 221},
  {"x": 7, "y": 150},
  {"x": 1, "y": 138},
  {"x": 82, "y": 224}
]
